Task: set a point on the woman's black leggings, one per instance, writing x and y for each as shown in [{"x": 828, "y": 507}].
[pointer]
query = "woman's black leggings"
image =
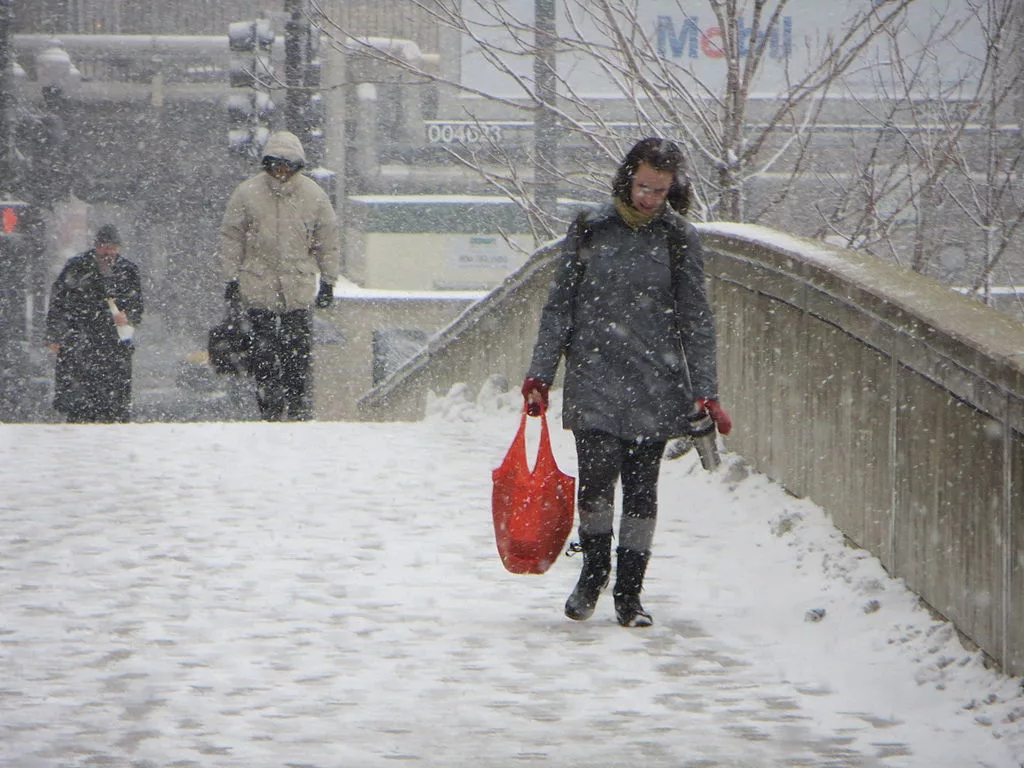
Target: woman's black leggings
[{"x": 603, "y": 459}]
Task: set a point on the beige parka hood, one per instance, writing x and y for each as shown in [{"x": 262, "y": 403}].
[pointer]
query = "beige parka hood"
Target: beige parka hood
[{"x": 286, "y": 145}]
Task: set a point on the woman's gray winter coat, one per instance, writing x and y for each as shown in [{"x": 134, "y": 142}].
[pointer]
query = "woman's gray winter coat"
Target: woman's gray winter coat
[{"x": 639, "y": 342}]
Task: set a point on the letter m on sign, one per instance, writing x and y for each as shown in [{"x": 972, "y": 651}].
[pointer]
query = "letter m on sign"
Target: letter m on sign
[{"x": 685, "y": 42}]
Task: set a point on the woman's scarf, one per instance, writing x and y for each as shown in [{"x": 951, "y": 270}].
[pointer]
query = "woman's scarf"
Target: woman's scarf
[{"x": 634, "y": 219}]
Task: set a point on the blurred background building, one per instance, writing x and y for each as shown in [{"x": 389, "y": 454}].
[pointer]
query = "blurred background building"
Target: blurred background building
[
  {"x": 137, "y": 101},
  {"x": 148, "y": 113},
  {"x": 390, "y": 18}
]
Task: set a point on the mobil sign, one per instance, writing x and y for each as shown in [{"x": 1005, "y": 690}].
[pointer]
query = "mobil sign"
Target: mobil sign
[
  {"x": 685, "y": 38},
  {"x": 682, "y": 37}
]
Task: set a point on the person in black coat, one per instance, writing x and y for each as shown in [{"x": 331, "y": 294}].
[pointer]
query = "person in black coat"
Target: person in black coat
[
  {"x": 95, "y": 303},
  {"x": 629, "y": 313}
]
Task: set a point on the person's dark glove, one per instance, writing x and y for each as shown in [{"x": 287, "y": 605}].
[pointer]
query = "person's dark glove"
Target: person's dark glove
[
  {"x": 233, "y": 292},
  {"x": 717, "y": 414},
  {"x": 541, "y": 388},
  {"x": 326, "y": 295}
]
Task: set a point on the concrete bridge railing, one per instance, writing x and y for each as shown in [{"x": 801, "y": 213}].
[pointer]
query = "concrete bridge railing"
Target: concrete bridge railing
[{"x": 894, "y": 403}]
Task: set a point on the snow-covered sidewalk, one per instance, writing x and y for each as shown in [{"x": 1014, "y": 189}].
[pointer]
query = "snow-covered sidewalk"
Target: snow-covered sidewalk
[{"x": 329, "y": 596}]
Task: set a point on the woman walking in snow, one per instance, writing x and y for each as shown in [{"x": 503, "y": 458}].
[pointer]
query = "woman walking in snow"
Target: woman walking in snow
[{"x": 629, "y": 312}]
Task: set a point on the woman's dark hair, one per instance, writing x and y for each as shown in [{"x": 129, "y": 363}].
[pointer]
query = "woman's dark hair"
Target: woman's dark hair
[{"x": 661, "y": 155}]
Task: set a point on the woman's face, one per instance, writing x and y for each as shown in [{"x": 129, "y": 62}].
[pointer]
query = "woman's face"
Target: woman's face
[{"x": 650, "y": 188}]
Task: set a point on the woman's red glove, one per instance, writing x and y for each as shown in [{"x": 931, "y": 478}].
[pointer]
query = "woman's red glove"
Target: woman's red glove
[
  {"x": 535, "y": 405},
  {"x": 717, "y": 414}
]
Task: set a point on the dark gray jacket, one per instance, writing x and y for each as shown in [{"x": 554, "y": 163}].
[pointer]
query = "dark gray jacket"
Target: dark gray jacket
[{"x": 636, "y": 356}]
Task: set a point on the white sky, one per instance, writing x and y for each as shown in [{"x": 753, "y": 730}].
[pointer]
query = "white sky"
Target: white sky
[{"x": 252, "y": 594}]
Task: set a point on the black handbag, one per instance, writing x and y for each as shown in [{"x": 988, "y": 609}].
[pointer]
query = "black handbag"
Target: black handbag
[{"x": 229, "y": 343}]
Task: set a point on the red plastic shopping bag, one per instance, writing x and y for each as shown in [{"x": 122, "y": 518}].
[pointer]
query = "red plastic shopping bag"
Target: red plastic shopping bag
[{"x": 533, "y": 511}]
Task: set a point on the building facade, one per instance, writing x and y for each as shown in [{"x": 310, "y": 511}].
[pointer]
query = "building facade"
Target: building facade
[{"x": 386, "y": 18}]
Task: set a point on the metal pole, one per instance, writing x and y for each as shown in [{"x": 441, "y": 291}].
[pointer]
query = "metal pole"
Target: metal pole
[
  {"x": 545, "y": 123},
  {"x": 12, "y": 272},
  {"x": 6, "y": 98},
  {"x": 293, "y": 69},
  {"x": 335, "y": 94}
]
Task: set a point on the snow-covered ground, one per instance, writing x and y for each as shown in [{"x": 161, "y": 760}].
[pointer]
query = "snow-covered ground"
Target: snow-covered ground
[{"x": 329, "y": 595}]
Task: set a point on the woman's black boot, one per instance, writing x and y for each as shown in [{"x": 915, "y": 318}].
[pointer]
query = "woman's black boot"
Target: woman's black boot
[
  {"x": 597, "y": 565},
  {"x": 629, "y": 580}
]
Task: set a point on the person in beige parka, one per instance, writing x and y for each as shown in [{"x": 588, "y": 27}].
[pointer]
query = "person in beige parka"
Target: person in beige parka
[{"x": 280, "y": 253}]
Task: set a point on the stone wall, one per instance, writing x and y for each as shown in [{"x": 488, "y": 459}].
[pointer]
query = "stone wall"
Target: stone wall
[{"x": 894, "y": 403}]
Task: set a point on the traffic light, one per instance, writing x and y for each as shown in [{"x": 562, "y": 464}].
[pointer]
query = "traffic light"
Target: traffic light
[
  {"x": 250, "y": 114},
  {"x": 15, "y": 224},
  {"x": 250, "y": 111},
  {"x": 12, "y": 218}
]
